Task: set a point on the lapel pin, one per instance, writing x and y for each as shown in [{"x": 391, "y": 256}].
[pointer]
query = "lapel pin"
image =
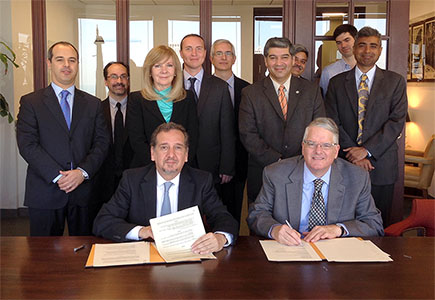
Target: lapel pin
[{"x": 297, "y": 92}]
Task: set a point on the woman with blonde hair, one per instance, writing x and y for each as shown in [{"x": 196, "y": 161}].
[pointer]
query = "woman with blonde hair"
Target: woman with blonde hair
[{"x": 163, "y": 99}]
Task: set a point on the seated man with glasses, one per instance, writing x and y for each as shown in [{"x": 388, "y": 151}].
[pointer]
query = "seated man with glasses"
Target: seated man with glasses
[{"x": 315, "y": 196}]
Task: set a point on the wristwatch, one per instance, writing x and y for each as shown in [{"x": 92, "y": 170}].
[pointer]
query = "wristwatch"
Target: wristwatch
[{"x": 343, "y": 231}]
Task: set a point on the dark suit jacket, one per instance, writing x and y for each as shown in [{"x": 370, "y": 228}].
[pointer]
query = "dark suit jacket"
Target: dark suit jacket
[
  {"x": 216, "y": 143},
  {"x": 241, "y": 153},
  {"x": 349, "y": 198},
  {"x": 265, "y": 134},
  {"x": 384, "y": 119},
  {"x": 144, "y": 117},
  {"x": 48, "y": 146},
  {"x": 134, "y": 202},
  {"x": 109, "y": 172}
]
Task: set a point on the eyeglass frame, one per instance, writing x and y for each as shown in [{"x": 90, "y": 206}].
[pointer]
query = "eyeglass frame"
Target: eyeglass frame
[
  {"x": 323, "y": 146},
  {"x": 116, "y": 77},
  {"x": 221, "y": 53}
]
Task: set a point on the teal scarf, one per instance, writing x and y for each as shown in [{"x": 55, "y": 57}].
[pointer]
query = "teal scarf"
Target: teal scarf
[{"x": 165, "y": 106}]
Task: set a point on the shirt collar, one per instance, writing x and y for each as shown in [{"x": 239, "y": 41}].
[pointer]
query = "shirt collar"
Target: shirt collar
[
  {"x": 161, "y": 180},
  {"x": 113, "y": 102},
  {"x": 230, "y": 81},
  {"x": 309, "y": 177},
  {"x": 57, "y": 89},
  {"x": 286, "y": 84},
  {"x": 370, "y": 74},
  {"x": 197, "y": 76}
]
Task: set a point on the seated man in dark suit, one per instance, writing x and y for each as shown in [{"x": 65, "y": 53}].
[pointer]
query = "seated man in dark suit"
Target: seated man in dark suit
[
  {"x": 165, "y": 186},
  {"x": 317, "y": 195}
]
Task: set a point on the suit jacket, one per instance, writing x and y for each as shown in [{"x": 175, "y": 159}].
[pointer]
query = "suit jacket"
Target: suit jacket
[
  {"x": 48, "y": 146},
  {"x": 217, "y": 138},
  {"x": 241, "y": 153},
  {"x": 384, "y": 119},
  {"x": 264, "y": 132},
  {"x": 349, "y": 198},
  {"x": 109, "y": 173},
  {"x": 134, "y": 202},
  {"x": 144, "y": 117}
]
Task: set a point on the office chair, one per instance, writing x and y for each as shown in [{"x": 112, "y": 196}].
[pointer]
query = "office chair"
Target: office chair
[{"x": 422, "y": 219}]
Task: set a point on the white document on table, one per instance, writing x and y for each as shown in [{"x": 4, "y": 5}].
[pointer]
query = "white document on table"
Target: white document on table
[
  {"x": 121, "y": 254},
  {"x": 175, "y": 233},
  {"x": 279, "y": 252},
  {"x": 351, "y": 250}
]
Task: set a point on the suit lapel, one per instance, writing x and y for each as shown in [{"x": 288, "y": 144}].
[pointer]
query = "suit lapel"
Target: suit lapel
[
  {"x": 293, "y": 96},
  {"x": 50, "y": 99},
  {"x": 294, "y": 194},
  {"x": 108, "y": 117},
  {"x": 376, "y": 92},
  {"x": 79, "y": 108},
  {"x": 351, "y": 91},
  {"x": 185, "y": 190},
  {"x": 149, "y": 193},
  {"x": 335, "y": 195},
  {"x": 203, "y": 94},
  {"x": 270, "y": 92},
  {"x": 153, "y": 108}
]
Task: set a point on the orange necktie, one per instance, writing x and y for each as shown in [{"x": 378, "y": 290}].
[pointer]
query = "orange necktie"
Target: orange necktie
[{"x": 282, "y": 101}]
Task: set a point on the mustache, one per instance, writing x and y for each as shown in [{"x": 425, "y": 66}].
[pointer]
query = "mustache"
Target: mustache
[{"x": 119, "y": 84}]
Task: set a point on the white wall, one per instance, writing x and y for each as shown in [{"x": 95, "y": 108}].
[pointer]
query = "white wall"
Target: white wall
[{"x": 421, "y": 95}]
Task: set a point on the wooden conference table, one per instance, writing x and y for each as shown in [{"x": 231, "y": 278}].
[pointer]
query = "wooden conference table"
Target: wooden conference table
[{"x": 39, "y": 267}]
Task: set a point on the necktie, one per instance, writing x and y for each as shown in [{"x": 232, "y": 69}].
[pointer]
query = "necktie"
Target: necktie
[
  {"x": 192, "y": 88},
  {"x": 317, "y": 210},
  {"x": 166, "y": 205},
  {"x": 363, "y": 97},
  {"x": 117, "y": 136},
  {"x": 65, "y": 107},
  {"x": 282, "y": 101}
]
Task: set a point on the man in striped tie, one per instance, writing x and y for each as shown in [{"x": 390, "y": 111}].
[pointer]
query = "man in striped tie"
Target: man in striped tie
[
  {"x": 369, "y": 105},
  {"x": 274, "y": 112}
]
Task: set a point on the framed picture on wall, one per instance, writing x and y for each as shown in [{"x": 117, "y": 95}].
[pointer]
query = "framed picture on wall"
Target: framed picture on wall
[
  {"x": 421, "y": 52},
  {"x": 417, "y": 52},
  {"x": 429, "y": 40}
]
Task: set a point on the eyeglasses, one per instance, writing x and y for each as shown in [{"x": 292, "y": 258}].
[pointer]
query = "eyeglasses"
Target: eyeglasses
[
  {"x": 220, "y": 53},
  {"x": 324, "y": 146},
  {"x": 116, "y": 77}
]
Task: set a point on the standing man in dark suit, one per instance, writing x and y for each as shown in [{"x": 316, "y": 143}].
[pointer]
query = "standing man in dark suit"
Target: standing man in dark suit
[
  {"x": 216, "y": 141},
  {"x": 316, "y": 195},
  {"x": 62, "y": 135},
  {"x": 223, "y": 57},
  {"x": 163, "y": 187},
  {"x": 116, "y": 77},
  {"x": 369, "y": 106},
  {"x": 274, "y": 113}
]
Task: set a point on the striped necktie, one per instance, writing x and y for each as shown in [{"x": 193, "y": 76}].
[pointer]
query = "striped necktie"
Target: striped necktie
[{"x": 282, "y": 101}]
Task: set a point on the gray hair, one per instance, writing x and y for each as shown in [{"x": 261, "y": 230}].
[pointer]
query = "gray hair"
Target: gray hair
[
  {"x": 325, "y": 123},
  {"x": 222, "y": 41},
  {"x": 298, "y": 48},
  {"x": 368, "y": 31},
  {"x": 165, "y": 127},
  {"x": 276, "y": 42}
]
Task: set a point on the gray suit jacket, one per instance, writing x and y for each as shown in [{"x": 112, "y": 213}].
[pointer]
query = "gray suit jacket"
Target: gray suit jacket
[
  {"x": 265, "y": 134},
  {"x": 384, "y": 120},
  {"x": 349, "y": 198}
]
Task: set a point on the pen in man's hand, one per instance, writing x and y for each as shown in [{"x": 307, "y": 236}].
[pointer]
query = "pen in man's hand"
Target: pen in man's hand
[
  {"x": 79, "y": 248},
  {"x": 288, "y": 224}
]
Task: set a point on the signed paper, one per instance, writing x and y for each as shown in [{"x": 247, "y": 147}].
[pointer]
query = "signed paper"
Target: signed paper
[
  {"x": 279, "y": 252},
  {"x": 175, "y": 233},
  {"x": 120, "y": 254}
]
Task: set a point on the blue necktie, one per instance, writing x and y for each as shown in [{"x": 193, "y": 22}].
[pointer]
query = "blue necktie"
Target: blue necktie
[
  {"x": 166, "y": 205},
  {"x": 65, "y": 107}
]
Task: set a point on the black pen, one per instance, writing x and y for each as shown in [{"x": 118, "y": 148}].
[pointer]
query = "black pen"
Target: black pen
[{"x": 79, "y": 248}]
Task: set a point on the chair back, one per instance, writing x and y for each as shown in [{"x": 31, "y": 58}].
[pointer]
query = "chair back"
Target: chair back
[
  {"x": 422, "y": 215},
  {"x": 427, "y": 171}
]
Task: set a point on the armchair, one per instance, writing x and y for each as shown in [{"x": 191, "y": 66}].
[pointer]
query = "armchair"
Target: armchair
[{"x": 419, "y": 167}]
